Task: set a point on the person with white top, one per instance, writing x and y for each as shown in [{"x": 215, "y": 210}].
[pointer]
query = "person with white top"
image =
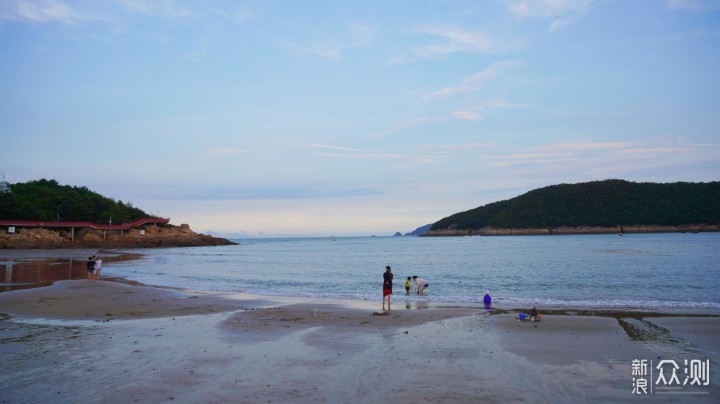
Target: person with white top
[
  {"x": 98, "y": 267},
  {"x": 421, "y": 284}
]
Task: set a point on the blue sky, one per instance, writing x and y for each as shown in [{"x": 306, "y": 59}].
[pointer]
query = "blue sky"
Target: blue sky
[{"x": 319, "y": 118}]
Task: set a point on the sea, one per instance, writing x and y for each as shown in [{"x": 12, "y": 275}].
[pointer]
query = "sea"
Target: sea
[{"x": 677, "y": 272}]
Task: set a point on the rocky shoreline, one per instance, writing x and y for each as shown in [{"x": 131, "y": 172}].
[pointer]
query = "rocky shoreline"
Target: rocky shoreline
[
  {"x": 150, "y": 236},
  {"x": 495, "y": 231}
]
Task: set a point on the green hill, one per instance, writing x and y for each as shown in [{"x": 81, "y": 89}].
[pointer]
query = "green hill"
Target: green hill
[
  {"x": 606, "y": 203},
  {"x": 46, "y": 200}
]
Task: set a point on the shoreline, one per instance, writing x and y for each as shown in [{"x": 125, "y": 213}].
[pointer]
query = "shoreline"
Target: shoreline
[
  {"x": 148, "y": 344},
  {"x": 42, "y": 267},
  {"x": 158, "y": 344}
]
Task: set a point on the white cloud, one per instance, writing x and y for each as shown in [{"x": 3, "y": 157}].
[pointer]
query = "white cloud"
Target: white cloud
[
  {"x": 351, "y": 153},
  {"x": 476, "y": 112},
  {"x": 458, "y": 40},
  {"x": 332, "y": 52},
  {"x": 560, "y": 12},
  {"x": 331, "y": 48},
  {"x": 136, "y": 6},
  {"x": 583, "y": 146},
  {"x": 651, "y": 152},
  {"x": 558, "y": 23},
  {"x": 467, "y": 115},
  {"x": 466, "y": 146},
  {"x": 399, "y": 59},
  {"x": 365, "y": 155},
  {"x": 362, "y": 35},
  {"x": 399, "y": 127},
  {"x": 694, "y": 5},
  {"x": 42, "y": 11},
  {"x": 472, "y": 83},
  {"x": 594, "y": 157},
  {"x": 331, "y": 147},
  {"x": 161, "y": 8}
]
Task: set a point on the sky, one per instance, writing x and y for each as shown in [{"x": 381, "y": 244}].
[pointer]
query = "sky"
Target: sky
[{"x": 343, "y": 118}]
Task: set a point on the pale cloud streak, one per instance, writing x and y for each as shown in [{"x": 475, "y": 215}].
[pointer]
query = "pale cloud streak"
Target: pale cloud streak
[
  {"x": 362, "y": 35},
  {"x": 585, "y": 146},
  {"x": 560, "y": 12},
  {"x": 474, "y": 82},
  {"x": 694, "y": 5},
  {"x": 464, "y": 146},
  {"x": 399, "y": 127},
  {"x": 364, "y": 156},
  {"x": 44, "y": 11},
  {"x": 161, "y": 8},
  {"x": 454, "y": 40},
  {"x": 584, "y": 156},
  {"x": 467, "y": 115},
  {"x": 352, "y": 153},
  {"x": 330, "y": 48},
  {"x": 331, "y": 147},
  {"x": 331, "y": 52},
  {"x": 476, "y": 113}
]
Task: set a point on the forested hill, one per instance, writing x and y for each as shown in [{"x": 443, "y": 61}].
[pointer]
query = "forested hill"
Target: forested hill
[
  {"x": 46, "y": 200},
  {"x": 608, "y": 203}
]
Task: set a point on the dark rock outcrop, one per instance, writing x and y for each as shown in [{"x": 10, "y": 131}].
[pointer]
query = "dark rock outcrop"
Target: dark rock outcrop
[{"x": 142, "y": 237}]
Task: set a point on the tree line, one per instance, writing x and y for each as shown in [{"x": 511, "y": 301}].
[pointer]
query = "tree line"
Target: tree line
[
  {"x": 606, "y": 203},
  {"x": 46, "y": 200}
]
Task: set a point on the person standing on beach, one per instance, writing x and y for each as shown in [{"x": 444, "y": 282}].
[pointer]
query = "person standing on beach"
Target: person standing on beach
[
  {"x": 90, "y": 266},
  {"x": 408, "y": 283},
  {"x": 387, "y": 286},
  {"x": 98, "y": 267}
]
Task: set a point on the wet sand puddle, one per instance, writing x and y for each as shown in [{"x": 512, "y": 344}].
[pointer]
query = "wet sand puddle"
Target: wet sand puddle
[{"x": 20, "y": 273}]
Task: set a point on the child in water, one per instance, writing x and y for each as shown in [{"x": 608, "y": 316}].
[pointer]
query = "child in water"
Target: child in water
[{"x": 408, "y": 282}]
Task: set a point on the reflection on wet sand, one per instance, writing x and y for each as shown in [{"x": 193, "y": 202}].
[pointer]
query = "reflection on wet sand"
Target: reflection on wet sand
[
  {"x": 416, "y": 305},
  {"x": 21, "y": 273}
]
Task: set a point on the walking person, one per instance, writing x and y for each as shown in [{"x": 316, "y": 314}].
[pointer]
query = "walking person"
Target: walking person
[
  {"x": 98, "y": 267},
  {"x": 387, "y": 286},
  {"x": 90, "y": 266}
]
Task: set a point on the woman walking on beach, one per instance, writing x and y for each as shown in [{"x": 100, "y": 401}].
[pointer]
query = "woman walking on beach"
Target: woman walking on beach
[
  {"x": 387, "y": 286},
  {"x": 90, "y": 266}
]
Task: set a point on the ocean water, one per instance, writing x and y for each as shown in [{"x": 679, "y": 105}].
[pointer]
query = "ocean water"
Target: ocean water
[{"x": 656, "y": 272}]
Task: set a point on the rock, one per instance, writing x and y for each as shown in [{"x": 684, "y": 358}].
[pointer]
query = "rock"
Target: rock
[{"x": 154, "y": 236}]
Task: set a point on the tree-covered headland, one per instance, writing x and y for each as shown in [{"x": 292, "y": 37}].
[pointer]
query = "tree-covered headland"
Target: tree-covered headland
[
  {"x": 46, "y": 200},
  {"x": 608, "y": 203}
]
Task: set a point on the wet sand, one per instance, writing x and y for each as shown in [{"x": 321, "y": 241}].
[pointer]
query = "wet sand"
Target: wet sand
[
  {"x": 81, "y": 341},
  {"x": 24, "y": 269}
]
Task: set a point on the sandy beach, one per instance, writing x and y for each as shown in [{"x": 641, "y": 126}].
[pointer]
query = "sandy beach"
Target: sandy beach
[{"x": 105, "y": 341}]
